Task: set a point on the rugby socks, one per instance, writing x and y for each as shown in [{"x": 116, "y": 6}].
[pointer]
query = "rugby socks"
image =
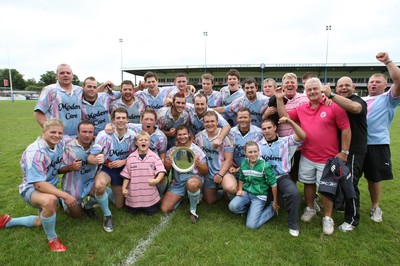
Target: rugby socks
[
  {"x": 27, "y": 221},
  {"x": 193, "y": 199},
  {"x": 110, "y": 195},
  {"x": 103, "y": 203},
  {"x": 49, "y": 226}
]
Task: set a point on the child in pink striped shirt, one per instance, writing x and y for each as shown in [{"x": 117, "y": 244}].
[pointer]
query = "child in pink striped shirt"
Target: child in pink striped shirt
[{"x": 142, "y": 172}]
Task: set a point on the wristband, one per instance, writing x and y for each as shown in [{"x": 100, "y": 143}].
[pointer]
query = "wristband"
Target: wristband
[
  {"x": 220, "y": 175},
  {"x": 331, "y": 95},
  {"x": 388, "y": 62},
  {"x": 345, "y": 152}
]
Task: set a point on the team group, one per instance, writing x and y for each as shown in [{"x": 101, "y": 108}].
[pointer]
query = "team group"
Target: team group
[{"x": 250, "y": 147}]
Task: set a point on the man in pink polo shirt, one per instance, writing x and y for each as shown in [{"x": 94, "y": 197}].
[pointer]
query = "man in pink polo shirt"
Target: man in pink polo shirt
[{"x": 321, "y": 124}]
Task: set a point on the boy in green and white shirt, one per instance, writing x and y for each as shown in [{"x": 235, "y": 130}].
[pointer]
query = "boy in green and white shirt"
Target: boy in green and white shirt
[{"x": 255, "y": 178}]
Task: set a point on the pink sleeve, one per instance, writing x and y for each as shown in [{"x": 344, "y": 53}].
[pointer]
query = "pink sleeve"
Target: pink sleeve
[
  {"x": 158, "y": 165},
  {"x": 294, "y": 115},
  {"x": 342, "y": 120}
]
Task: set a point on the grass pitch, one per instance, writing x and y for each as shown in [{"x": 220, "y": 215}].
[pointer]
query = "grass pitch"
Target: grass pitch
[{"x": 219, "y": 238}]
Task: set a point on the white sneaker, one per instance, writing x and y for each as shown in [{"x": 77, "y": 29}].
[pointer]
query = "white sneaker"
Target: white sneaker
[
  {"x": 294, "y": 232},
  {"x": 376, "y": 214},
  {"x": 308, "y": 214},
  {"x": 327, "y": 225},
  {"x": 345, "y": 227}
]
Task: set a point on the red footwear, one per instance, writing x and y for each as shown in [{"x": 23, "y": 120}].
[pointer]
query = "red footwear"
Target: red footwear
[
  {"x": 4, "y": 219},
  {"x": 56, "y": 245}
]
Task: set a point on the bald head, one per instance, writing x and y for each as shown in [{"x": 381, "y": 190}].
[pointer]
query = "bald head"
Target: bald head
[{"x": 345, "y": 87}]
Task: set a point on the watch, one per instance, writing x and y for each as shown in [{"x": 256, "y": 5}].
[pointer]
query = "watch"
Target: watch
[
  {"x": 345, "y": 152},
  {"x": 331, "y": 95}
]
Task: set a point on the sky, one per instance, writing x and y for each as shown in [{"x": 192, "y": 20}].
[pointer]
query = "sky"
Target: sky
[{"x": 37, "y": 36}]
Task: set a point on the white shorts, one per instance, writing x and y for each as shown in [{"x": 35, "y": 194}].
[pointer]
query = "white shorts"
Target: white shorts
[{"x": 310, "y": 172}]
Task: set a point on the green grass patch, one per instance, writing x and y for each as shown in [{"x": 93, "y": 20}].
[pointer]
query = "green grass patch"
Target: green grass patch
[{"x": 219, "y": 238}]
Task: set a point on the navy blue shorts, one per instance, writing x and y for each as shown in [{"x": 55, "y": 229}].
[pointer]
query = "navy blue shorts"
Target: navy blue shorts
[{"x": 114, "y": 173}]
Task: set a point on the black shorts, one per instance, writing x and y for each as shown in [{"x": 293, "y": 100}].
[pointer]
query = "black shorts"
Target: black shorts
[
  {"x": 114, "y": 173},
  {"x": 147, "y": 210},
  {"x": 377, "y": 164}
]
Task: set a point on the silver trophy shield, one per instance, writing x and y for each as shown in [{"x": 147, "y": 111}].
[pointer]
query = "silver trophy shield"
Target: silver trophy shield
[{"x": 183, "y": 159}]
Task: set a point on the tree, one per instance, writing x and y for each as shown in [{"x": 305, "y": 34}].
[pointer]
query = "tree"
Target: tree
[
  {"x": 76, "y": 80},
  {"x": 50, "y": 78},
  {"x": 31, "y": 82},
  {"x": 31, "y": 85},
  {"x": 18, "y": 81},
  {"x": 34, "y": 87}
]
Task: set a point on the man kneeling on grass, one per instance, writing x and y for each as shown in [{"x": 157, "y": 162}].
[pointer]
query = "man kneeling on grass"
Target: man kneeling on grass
[
  {"x": 110, "y": 151},
  {"x": 255, "y": 178},
  {"x": 39, "y": 165},
  {"x": 142, "y": 172},
  {"x": 189, "y": 183},
  {"x": 78, "y": 178}
]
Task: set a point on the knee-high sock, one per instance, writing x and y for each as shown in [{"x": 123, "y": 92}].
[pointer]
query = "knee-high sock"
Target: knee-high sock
[
  {"x": 27, "y": 221},
  {"x": 103, "y": 203},
  {"x": 193, "y": 199},
  {"x": 110, "y": 195},
  {"x": 49, "y": 226}
]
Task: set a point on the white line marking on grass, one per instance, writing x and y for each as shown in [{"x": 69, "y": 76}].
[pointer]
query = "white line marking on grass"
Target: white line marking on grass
[{"x": 144, "y": 243}]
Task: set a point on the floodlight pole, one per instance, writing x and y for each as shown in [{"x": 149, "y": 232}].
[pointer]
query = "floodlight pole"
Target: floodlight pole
[
  {"x": 11, "y": 84},
  {"x": 262, "y": 66},
  {"x": 328, "y": 29},
  {"x": 122, "y": 72},
  {"x": 205, "y": 34},
  {"x": 9, "y": 73}
]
